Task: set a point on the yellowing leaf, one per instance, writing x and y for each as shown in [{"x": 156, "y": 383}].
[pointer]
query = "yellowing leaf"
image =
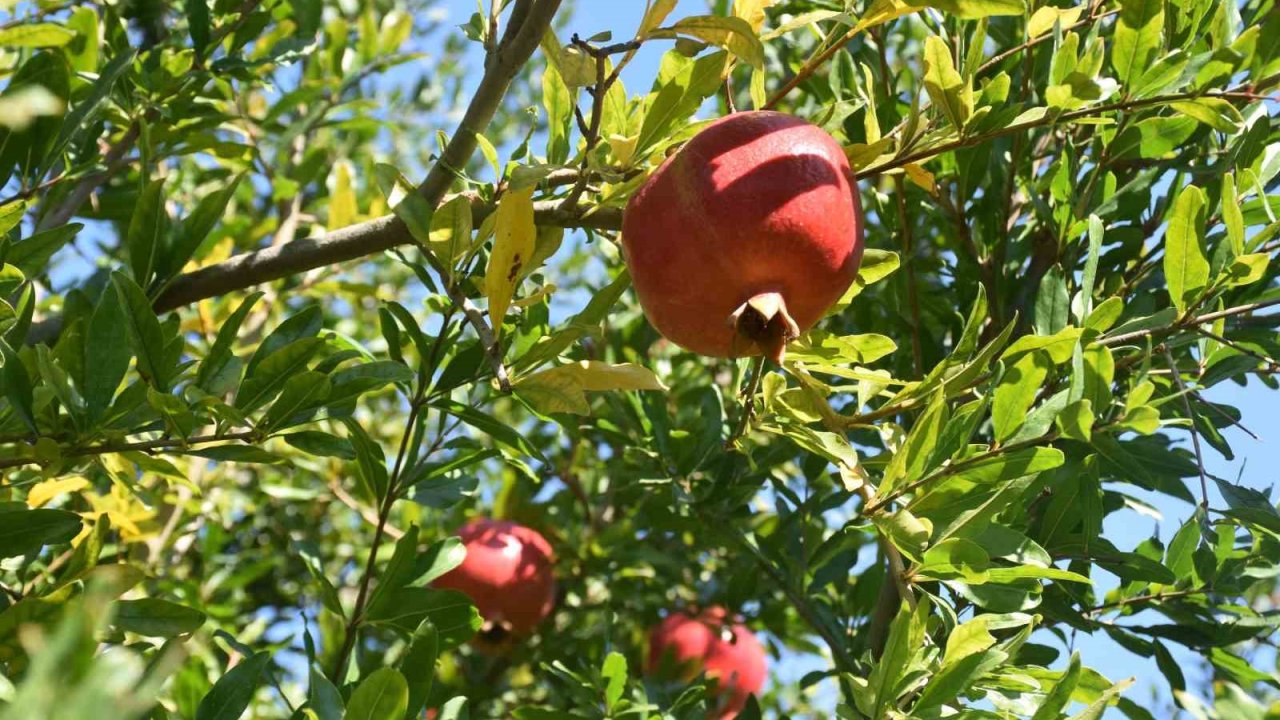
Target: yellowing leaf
[
  {"x": 564, "y": 388},
  {"x": 342, "y": 197},
  {"x": 752, "y": 11},
  {"x": 657, "y": 13},
  {"x": 920, "y": 176},
  {"x": 514, "y": 238},
  {"x": 624, "y": 148},
  {"x": 974, "y": 9},
  {"x": 1247, "y": 269},
  {"x": 1214, "y": 112},
  {"x": 36, "y": 35},
  {"x": 43, "y": 492},
  {"x": 882, "y": 11},
  {"x": 946, "y": 88},
  {"x": 450, "y": 234},
  {"x": 1043, "y": 19},
  {"x": 731, "y": 33},
  {"x": 577, "y": 68}
]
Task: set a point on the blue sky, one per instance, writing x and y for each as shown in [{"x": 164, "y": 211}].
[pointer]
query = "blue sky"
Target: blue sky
[{"x": 1254, "y": 458}]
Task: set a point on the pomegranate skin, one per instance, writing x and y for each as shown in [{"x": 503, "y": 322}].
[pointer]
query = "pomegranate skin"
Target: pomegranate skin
[
  {"x": 507, "y": 574},
  {"x": 711, "y": 642},
  {"x": 754, "y": 204}
]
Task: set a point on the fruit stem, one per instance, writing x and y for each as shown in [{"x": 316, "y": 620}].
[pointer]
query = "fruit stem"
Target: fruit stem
[{"x": 765, "y": 323}]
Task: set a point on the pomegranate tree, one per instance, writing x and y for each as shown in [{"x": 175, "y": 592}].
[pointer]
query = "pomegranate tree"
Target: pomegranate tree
[
  {"x": 507, "y": 574},
  {"x": 746, "y": 236},
  {"x": 716, "y": 644}
]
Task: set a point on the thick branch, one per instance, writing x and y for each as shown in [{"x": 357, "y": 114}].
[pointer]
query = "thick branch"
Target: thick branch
[{"x": 350, "y": 243}]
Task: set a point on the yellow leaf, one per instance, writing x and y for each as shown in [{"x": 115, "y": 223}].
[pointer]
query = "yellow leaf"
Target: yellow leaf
[
  {"x": 920, "y": 176},
  {"x": 882, "y": 11},
  {"x": 1043, "y": 20},
  {"x": 654, "y": 17},
  {"x": 564, "y": 388},
  {"x": 342, "y": 197},
  {"x": 514, "y": 238},
  {"x": 752, "y": 11},
  {"x": 43, "y": 492},
  {"x": 624, "y": 148}
]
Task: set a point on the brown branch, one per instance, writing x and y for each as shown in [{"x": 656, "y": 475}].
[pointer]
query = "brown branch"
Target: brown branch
[
  {"x": 350, "y": 243},
  {"x": 1128, "y": 337},
  {"x": 1001, "y": 57},
  {"x": 1154, "y": 597},
  {"x": 114, "y": 161}
]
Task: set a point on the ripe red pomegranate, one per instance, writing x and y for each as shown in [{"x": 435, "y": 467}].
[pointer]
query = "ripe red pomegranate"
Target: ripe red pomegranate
[
  {"x": 712, "y": 642},
  {"x": 745, "y": 237},
  {"x": 507, "y": 574}
]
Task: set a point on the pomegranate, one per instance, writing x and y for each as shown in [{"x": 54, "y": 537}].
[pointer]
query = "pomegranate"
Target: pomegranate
[
  {"x": 507, "y": 574},
  {"x": 746, "y": 236},
  {"x": 711, "y": 642}
]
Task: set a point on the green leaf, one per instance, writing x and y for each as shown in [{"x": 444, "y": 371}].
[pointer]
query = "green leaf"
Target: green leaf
[
  {"x": 1212, "y": 111},
  {"x": 32, "y": 254},
  {"x": 106, "y": 359},
  {"x": 818, "y": 347},
  {"x": 1016, "y": 392},
  {"x": 1138, "y": 37},
  {"x": 1059, "y": 345},
  {"x": 323, "y": 698},
  {"x": 328, "y": 595},
  {"x": 419, "y": 667},
  {"x": 1075, "y": 422},
  {"x": 678, "y": 97},
  {"x": 906, "y": 639},
  {"x": 87, "y": 109},
  {"x": 269, "y": 377},
  {"x": 1232, "y": 216},
  {"x": 154, "y": 617},
  {"x": 231, "y": 695},
  {"x": 196, "y": 227},
  {"x": 1186, "y": 269},
  {"x": 236, "y": 453},
  {"x": 305, "y": 323},
  {"x": 1249, "y": 506},
  {"x": 495, "y": 429},
  {"x": 314, "y": 442},
  {"x": 974, "y": 9},
  {"x": 148, "y": 228},
  {"x": 911, "y": 461},
  {"x": 36, "y": 35},
  {"x": 564, "y": 388},
  {"x": 25, "y": 531},
  {"x": 452, "y": 613},
  {"x": 947, "y": 89},
  {"x": 304, "y": 391},
  {"x": 144, "y": 333},
  {"x": 1057, "y": 698},
  {"x": 198, "y": 24},
  {"x": 1052, "y": 303},
  {"x": 219, "y": 359},
  {"x": 558, "y": 101},
  {"x": 731, "y": 33},
  {"x": 614, "y": 672},
  {"x": 955, "y": 559},
  {"x": 383, "y": 695},
  {"x": 1096, "y": 708}
]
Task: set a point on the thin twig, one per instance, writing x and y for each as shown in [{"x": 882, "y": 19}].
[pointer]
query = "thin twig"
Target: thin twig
[
  {"x": 1001, "y": 57},
  {"x": 138, "y": 446},
  {"x": 1195, "y": 434},
  {"x": 1129, "y": 337},
  {"x": 113, "y": 162},
  {"x": 1140, "y": 599}
]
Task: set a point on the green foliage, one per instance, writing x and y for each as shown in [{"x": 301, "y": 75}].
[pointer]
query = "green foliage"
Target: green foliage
[{"x": 272, "y": 329}]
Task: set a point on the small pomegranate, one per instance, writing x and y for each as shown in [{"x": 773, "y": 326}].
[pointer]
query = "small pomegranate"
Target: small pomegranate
[
  {"x": 746, "y": 236},
  {"x": 711, "y": 642},
  {"x": 507, "y": 574}
]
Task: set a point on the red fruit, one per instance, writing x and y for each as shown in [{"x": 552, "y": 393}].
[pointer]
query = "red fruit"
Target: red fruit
[
  {"x": 745, "y": 237},
  {"x": 507, "y": 574},
  {"x": 711, "y": 642}
]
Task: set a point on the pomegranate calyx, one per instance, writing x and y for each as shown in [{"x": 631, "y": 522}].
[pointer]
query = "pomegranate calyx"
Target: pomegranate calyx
[{"x": 764, "y": 322}]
